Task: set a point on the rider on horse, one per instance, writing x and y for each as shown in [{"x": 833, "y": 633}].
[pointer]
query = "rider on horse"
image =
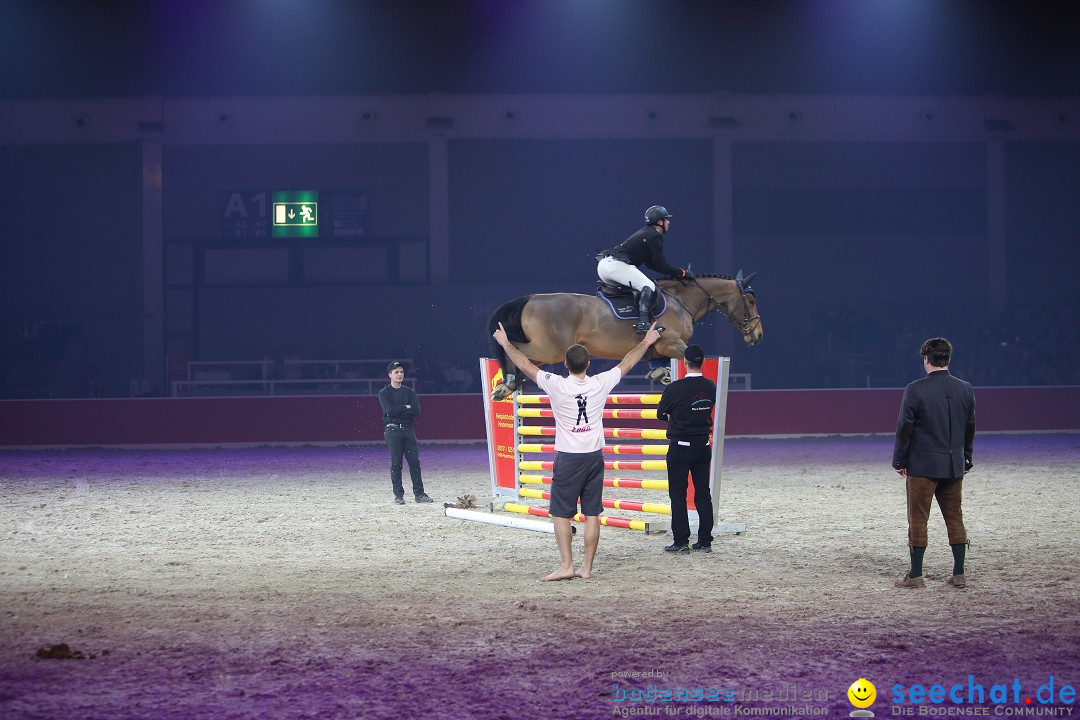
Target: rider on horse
[{"x": 645, "y": 247}]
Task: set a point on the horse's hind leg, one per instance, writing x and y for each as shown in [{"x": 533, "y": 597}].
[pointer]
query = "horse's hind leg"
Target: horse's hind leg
[
  {"x": 509, "y": 383},
  {"x": 510, "y": 375},
  {"x": 551, "y": 328}
]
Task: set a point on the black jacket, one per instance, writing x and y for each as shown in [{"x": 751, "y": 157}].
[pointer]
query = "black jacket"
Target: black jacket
[
  {"x": 394, "y": 400},
  {"x": 645, "y": 247},
  {"x": 687, "y": 406},
  {"x": 935, "y": 433}
]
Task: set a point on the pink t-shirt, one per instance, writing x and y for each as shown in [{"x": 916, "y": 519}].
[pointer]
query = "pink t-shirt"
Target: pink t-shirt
[{"x": 578, "y": 406}]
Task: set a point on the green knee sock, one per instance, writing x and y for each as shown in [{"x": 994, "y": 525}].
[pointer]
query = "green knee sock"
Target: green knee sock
[
  {"x": 959, "y": 551},
  {"x": 916, "y": 561}
]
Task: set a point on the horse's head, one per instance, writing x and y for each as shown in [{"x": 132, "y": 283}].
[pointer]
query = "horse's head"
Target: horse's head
[
  {"x": 750, "y": 325},
  {"x": 735, "y": 298}
]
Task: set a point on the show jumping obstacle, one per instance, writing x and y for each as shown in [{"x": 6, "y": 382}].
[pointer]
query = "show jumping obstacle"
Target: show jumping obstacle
[
  {"x": 521, "y": 416},
  {"x": 491, "y": 519}
]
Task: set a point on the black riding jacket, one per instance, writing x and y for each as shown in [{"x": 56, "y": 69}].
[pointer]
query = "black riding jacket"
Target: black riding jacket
[{"x": 645, "y": 247}]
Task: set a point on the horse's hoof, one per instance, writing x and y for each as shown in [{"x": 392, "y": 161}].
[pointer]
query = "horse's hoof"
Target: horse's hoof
[
  {"x": 501, "y": 392},
  {"x": 662, "y": 374}
]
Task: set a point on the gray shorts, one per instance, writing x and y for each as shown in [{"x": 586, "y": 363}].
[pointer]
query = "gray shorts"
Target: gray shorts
[{"x": 577, "y": 475}]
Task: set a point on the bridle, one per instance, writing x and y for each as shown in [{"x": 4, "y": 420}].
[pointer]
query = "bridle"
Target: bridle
[{"x": 714, "y": 305}]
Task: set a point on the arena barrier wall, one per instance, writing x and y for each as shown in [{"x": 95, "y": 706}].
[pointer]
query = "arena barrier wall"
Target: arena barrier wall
[
  {"x": 331, "y": 420},
  {"x": 326, "y": 420}
]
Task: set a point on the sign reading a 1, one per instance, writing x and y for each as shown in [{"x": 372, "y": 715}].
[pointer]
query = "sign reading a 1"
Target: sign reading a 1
[
  {"x": 296, "y": 214},
  {"x": 245, "y": 215}
]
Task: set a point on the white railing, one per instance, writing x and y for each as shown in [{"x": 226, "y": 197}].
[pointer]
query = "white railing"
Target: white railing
[
  {"x": 351, "y": 386},
  {"x": 287, "y": 377},
  {"x": 739, "y": 381},
  {"x": 327, "y": 377}
]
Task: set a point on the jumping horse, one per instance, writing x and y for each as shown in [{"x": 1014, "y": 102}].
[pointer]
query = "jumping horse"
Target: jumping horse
[{"x": 543, "y": 326}]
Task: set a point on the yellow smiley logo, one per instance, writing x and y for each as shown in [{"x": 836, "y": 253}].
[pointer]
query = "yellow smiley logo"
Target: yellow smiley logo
[{"x": 862, "y": 693}]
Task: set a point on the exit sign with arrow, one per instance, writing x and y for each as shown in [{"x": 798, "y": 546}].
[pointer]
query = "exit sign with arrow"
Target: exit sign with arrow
[{"x": 296, "y": 214}]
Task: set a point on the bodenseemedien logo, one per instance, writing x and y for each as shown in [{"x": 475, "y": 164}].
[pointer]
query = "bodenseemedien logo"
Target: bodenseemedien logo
[{"x": 861, "y": 695}]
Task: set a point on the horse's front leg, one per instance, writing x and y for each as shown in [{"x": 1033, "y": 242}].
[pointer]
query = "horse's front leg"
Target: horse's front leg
[
  {"x": 666, "y": 347},
  {"x": 661, "y": 370}
]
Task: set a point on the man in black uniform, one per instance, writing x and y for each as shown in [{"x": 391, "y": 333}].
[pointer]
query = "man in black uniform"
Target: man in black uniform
[
  {"x": 935, "y": 437},
  {"x": 645, "y": 247},
  {"x": 400, "y": 405},
  {"x": 687, "y": 406}
]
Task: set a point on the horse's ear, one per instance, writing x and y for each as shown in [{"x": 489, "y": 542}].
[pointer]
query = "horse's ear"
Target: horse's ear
[{"x": 743, "y": 283}]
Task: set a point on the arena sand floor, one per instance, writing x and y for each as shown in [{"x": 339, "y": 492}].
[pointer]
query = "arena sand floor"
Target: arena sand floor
[{"x": 283, "y": 583}]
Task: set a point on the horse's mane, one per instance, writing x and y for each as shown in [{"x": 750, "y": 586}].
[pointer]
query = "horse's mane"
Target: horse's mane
[{"x": 701, "y": 275}]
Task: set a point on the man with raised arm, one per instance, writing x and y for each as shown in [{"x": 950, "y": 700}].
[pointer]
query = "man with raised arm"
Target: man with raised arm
[{"x": 577, "y": 402}]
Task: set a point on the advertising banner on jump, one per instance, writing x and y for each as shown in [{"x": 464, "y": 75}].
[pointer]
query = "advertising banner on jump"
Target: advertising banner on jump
[{"x": 499, "y": 419}]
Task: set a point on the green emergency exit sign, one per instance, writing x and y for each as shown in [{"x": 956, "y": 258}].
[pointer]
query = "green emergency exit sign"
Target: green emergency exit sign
[{"x": 295, "y": 213}]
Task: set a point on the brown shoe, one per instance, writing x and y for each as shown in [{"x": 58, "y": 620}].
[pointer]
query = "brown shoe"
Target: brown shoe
[
  {"x": 957, "y": 581},
  {"x": 910, "y": 582}
]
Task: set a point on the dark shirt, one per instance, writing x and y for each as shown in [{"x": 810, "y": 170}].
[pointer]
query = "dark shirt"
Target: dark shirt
[
  {"x": 687, "y": 406},
  {"x": 394, "y": 400},
  {"x": 646, "y": 247}
]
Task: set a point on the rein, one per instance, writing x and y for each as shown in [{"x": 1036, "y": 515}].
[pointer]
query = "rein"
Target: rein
[{"x": 712, "y": 304}]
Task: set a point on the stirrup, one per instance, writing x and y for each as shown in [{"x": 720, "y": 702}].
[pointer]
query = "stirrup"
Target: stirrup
[{"x": 642, "y": 326}]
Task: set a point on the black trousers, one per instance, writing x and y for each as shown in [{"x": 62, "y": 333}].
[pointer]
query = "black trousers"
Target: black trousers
[
  {"x": 402, "y": 443},
  {"x": 690, "y": 459}
]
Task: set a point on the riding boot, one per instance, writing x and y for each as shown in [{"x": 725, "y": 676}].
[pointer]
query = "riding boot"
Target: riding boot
[{"x": 644, "y": 311}]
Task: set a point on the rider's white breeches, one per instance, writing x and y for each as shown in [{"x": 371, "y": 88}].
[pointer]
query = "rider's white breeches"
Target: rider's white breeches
[{"x": 617, "y": 271}]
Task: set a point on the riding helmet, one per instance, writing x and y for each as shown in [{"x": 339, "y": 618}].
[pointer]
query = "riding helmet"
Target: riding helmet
[{"x": 655, "y": 214}]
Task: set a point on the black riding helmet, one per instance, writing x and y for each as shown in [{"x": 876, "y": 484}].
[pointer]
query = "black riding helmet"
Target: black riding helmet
[{"x": 655, "y": 214}]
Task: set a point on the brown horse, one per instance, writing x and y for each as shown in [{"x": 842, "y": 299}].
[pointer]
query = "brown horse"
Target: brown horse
[{"x": 544, "y": 326}]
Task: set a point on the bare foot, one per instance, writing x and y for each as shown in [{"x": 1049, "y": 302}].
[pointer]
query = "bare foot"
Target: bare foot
[
  {"x": 583, "y": 573},
  {"x": 559, "y": 574}
]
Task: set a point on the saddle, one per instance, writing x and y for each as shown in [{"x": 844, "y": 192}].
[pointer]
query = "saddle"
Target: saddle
[{"x": 623, "y": 301}]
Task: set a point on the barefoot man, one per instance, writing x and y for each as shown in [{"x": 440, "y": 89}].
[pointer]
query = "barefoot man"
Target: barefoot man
[{"x": 578, "y": 405}]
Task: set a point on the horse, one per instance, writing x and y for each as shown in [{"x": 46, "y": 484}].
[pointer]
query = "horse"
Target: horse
[{"x": 543, "y": 326}]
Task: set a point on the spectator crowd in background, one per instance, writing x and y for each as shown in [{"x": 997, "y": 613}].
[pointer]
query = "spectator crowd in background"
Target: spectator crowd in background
[
  {"x": 872, "y": 346},
  {"x": 852, "y": 347},
  {"x": 45, "y": 358}
]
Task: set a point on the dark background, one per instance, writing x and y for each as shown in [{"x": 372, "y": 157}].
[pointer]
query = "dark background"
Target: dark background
[
  {"x": 287, "y": 47},
  {"x": 863, "y": 249}
]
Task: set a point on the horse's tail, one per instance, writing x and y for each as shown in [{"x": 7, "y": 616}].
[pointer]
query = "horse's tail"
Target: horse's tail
[{"x": 509, "y": 314}]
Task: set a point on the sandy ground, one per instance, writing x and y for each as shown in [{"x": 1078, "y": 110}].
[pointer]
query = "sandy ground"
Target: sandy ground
[{"x": 283, "y": 583}]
